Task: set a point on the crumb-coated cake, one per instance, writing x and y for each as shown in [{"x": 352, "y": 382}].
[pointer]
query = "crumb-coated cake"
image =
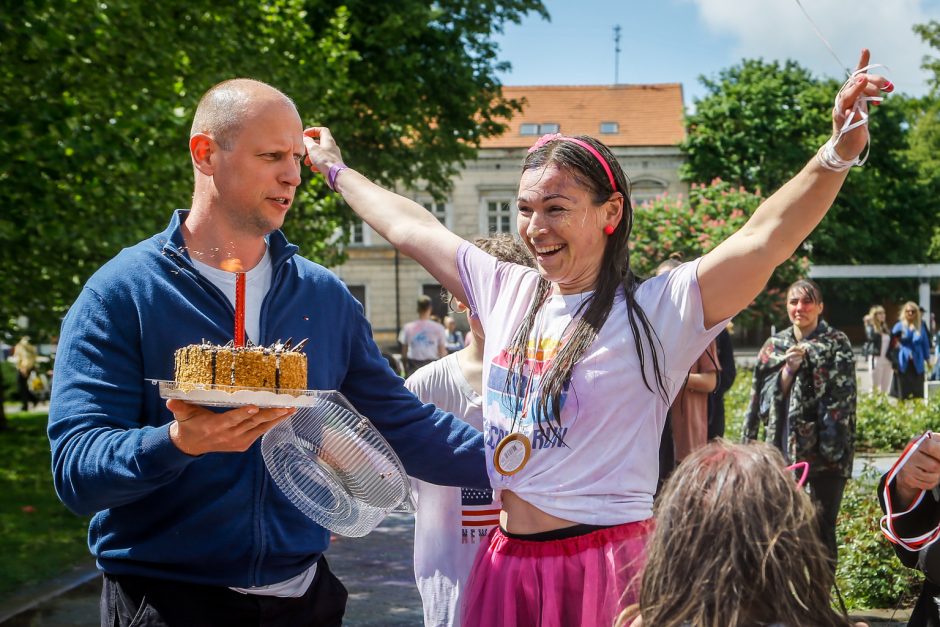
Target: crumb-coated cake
[{"x": 278, "y": 367}]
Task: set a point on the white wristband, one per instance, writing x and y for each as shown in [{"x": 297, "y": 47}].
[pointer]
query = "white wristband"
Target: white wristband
[{"x": 830, "y": 159}]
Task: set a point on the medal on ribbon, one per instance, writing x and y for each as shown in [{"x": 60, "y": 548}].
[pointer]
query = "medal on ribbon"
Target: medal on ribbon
[{"x": 512, "y": 454}]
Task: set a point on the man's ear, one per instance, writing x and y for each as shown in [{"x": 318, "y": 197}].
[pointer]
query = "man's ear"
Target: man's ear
[{"x": 202, "y": 149}]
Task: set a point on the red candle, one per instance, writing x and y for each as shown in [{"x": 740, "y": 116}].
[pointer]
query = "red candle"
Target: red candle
[
  {"x": 239, "y": 309},
  {"x": 235, "y": 265}
]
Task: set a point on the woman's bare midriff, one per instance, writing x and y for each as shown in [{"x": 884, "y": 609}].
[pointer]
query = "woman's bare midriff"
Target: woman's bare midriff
[{"x": 519, "y": 516}]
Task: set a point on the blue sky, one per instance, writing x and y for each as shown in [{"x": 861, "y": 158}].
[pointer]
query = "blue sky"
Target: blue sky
[{"x": 667, "y": 41}]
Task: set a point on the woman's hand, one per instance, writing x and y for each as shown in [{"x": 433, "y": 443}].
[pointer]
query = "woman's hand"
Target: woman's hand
[
  {"x": 322, "y": 151},
  {"x": 850, "y": 144},
  {"x": 794, "y": 357}
]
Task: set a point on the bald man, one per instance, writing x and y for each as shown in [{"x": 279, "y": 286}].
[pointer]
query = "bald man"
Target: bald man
[{"x": 188, "y": 527}]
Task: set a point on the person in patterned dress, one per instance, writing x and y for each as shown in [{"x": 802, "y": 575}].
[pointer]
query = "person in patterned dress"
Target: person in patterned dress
[{"x": 804, "y": 393}]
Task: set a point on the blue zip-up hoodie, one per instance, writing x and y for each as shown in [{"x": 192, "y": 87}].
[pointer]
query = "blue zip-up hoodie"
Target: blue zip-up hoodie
[{"x": 218, "y": 518}]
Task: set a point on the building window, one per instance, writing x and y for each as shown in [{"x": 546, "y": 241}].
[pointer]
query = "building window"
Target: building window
[
  {"x": 539, "y": 129},
  {"x": 645, "y": 190},
  {"x": 359, "y": 293},
  {"x": 529, "y": 129},
  {"x": 357, "y": 235},
  {"x": 499, "y": 216},
  {"x": 439, "y": 209},
  {"x": 609, "y": 128}
]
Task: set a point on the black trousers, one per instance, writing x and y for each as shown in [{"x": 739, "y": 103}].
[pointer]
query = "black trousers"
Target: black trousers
[
  {"x": 826, "y": 491},
  {"x": 925, "y": 613},
  {"x": 132, "y": 601},
  {"x": 22, "y": 387},
  {"x": 910, "y": 383}
]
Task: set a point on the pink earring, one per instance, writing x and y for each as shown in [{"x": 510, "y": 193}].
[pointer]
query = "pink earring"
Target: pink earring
[{"x": 609, "y": 229}]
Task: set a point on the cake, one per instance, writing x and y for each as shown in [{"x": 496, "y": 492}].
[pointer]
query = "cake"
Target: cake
[{"x": 277, "y": 367}]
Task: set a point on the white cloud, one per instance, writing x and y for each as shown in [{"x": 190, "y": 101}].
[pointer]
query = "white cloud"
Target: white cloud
[{"x": 777, "y": 29}]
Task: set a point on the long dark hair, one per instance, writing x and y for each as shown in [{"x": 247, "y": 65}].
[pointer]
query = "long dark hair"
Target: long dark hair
[{"x": 614, "y": 273}]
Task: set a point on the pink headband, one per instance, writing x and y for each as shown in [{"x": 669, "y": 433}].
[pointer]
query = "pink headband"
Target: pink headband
[{"x": 544, "y": 139}]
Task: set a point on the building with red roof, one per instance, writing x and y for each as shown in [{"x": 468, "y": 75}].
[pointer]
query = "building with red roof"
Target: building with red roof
[{"x": 642, "y": 124}]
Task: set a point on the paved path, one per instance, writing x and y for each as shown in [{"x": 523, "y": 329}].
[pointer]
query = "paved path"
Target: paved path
[{"x": 376, "y": 569}]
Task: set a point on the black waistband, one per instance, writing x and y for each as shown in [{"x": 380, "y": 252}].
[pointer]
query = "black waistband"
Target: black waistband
[{"x": 556, "y": 534}]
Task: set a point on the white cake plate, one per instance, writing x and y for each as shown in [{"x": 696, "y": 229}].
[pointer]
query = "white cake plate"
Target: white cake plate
[
  {"x": 232, "y": 396},
  {"x": 328, "y": 460}
]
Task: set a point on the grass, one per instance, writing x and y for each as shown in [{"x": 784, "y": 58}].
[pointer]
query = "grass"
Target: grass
[{"x": 39, "y": 537}]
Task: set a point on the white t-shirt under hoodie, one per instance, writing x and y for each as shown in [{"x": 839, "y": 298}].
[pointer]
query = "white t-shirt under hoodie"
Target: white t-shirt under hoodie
[{"x": 603, "y": 468}]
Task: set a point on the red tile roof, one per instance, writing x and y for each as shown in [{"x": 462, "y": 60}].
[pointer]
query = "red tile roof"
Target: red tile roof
[{"x": 647, "y": 115}]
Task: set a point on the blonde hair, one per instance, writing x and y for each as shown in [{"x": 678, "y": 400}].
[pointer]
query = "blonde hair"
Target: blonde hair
[
  {"x": 736, "y": 544},
  {"x": 881, "y": 327},
  {"x": 918, "y": 321}
]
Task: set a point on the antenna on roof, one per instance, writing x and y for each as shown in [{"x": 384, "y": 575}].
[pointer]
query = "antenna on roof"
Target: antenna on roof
[{"x": 616, "y": 53}]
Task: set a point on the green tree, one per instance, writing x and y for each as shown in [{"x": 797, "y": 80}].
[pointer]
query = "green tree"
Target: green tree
[
  {"x": 99, "y": 96},
  {"x": 694, "y": 225},
  {"x": 761, "y": 122},
  {"x": 925, "y": 122}
]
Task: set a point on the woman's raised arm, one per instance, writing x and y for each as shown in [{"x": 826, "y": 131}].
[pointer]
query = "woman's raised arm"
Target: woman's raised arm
[
  {"x": 408, "y": 226},
  {"x": 732, "y": 274}
]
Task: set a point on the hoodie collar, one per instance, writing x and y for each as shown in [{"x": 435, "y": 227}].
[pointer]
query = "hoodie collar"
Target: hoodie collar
[{"x": 280, "y": 249}]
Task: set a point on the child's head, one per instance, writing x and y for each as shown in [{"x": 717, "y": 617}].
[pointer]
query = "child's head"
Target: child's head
[
  {"x": 424, "y": 305},
  {"x": 736, "y": 543}
]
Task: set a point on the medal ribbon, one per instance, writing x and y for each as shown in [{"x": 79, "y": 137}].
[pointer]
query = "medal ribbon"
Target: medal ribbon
[{"x": 915, "y": 543}]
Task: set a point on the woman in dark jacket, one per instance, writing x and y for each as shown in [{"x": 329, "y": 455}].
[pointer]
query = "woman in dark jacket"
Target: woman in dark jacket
[{"x": 804, "y": 392}]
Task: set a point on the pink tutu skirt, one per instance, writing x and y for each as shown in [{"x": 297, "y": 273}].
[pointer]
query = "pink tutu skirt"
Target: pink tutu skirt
[{"x": 575, "y": 582}]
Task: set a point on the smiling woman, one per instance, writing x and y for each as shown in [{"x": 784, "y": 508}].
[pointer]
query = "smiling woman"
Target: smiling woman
[{"x": 583, "y": 359}]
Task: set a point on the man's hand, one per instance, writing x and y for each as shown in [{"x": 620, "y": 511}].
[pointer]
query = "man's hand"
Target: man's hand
[
  {"x": 197, "y": 430},
  {"x": 921, "y": 472}
]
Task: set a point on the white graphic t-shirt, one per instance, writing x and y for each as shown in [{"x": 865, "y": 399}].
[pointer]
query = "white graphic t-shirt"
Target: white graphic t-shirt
[
  {"x": 449, "y": 522},
  {"x": 424, "y": 339},
  {"x": 600, "y": 466}
]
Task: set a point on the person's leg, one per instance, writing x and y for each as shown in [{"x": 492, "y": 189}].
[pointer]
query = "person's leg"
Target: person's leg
[
  {"x": 912, "y": 383},
  {"x": 22, "y": 388},
  {"x": 883, "y": 375},
  {"x": 129, "y": 600},
  {"x": 826, "y": 491},
  {"x": 925, "y": 613}
]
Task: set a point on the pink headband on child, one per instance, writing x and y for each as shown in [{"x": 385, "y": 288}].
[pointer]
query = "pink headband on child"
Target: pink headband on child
[
  {"x": 544, "y": 139},
  {"x": 804, "y": 466}
]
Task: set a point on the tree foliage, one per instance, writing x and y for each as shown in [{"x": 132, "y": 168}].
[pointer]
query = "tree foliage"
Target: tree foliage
[
  {"x": 925, "y": 122},
  {"x": 693, "y": 225},
  {"x": 99, "y": 97},
  {"x": 761, "y": 122}
]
